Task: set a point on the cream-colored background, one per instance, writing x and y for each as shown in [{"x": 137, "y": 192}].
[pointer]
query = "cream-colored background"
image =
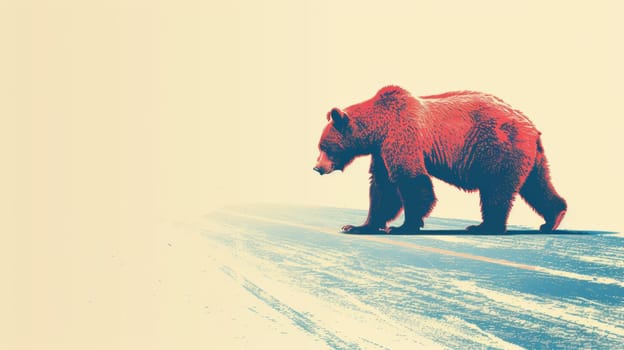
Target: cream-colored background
[{"x": 121, "y": 116}]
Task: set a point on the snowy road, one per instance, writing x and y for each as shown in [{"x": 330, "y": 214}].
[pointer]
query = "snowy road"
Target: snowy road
[{"x": 301, "y": 278}]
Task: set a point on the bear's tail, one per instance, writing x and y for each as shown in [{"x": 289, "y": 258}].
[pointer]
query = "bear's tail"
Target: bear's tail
[{"x": 539, "y": 193}]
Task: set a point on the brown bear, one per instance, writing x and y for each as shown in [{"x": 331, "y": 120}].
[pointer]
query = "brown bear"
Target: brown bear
[{"x": 471, "y": 140}]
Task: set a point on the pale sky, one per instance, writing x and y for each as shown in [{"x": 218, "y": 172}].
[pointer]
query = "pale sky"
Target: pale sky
[{"x": 175, "y": 108}]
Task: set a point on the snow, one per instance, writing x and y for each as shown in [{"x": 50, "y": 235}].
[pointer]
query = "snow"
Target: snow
[{"x": 291, "y": 276}]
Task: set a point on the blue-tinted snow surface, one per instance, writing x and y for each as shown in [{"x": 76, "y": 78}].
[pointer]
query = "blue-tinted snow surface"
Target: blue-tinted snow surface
[{"x": 460, "y": 291}]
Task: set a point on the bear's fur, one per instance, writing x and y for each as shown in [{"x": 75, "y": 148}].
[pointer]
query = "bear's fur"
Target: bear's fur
[{"x": 472, "y": 140}]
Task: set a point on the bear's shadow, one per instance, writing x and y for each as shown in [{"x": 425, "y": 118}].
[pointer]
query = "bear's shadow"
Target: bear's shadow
[{"x": 461, "y": 232}]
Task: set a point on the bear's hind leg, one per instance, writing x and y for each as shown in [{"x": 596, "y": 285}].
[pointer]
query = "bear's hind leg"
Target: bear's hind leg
[
  {"x": 540, "y": 194},
  {"x": 496, "y": 202},
  {"x": 418, "y": 200}
]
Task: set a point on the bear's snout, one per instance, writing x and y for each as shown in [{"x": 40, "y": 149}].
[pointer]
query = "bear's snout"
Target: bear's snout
[
  {"x": 324, "y": 165},
  {"x": 319, "y": 170}
]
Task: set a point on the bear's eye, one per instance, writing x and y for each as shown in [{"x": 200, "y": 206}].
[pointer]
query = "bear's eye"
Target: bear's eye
[{"x": 330, "y": 148}]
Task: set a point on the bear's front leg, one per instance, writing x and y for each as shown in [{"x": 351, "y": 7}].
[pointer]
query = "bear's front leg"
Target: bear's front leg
[
  {"x": 385, "y": 205},
  {"x": 418, "y": 200},
  {"x": 385, "y": 202}
]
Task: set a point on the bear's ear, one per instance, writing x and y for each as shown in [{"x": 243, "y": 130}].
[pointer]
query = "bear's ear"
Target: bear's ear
[{"x": 339, "y": 118}]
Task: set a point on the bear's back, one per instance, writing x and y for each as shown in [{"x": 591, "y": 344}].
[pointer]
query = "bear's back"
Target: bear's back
[{"x": 473, "y": 106}]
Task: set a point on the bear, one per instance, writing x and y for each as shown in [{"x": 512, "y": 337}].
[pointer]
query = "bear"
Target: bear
[{"x": 474, "y": 141}]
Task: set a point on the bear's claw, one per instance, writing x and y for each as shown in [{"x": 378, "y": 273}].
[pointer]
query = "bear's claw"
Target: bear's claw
[
  {"x": 362, "y": 229},
  {"x": 551, "y": 226}
]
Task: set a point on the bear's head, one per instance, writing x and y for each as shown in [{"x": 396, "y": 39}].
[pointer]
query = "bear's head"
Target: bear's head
[{"x": 338, "y": 143}]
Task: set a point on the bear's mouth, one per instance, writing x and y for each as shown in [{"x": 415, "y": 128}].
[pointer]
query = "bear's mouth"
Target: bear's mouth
[{"x": 322, "y": 171}]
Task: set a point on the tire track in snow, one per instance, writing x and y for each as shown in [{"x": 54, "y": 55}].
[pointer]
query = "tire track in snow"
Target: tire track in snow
[{"x": 299, "y": 319}]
